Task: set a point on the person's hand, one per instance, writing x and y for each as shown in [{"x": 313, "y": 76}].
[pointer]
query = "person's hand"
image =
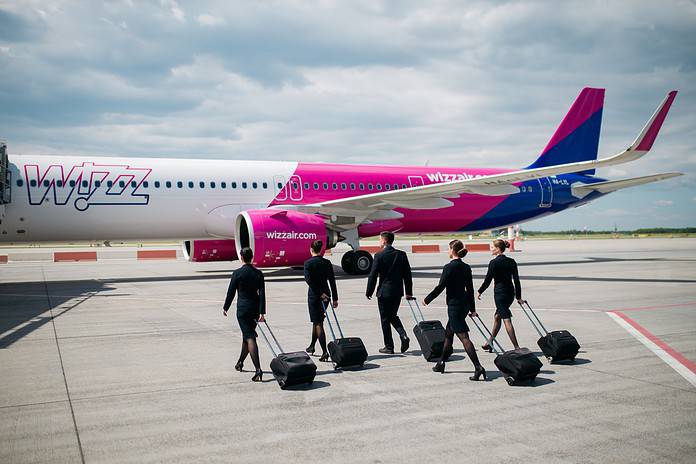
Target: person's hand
[
  {"x": 368, "y": 297},
  {"x": 478, "y": 296},
  {"x": 425, "y": 303},
  {"x": 335, "y": 304},
  {"x": 410, "y": 297},
  {"x": 224, "y": 312},
  {"x": 324, "y": 297},
  {"x": 473, "y": 314},
  {"x": 262, "y": 318},
  {"x": 521, "y": 301}
]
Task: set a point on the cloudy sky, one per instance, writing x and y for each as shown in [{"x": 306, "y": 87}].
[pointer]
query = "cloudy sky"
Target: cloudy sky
[{"x": 468, "y": 84}]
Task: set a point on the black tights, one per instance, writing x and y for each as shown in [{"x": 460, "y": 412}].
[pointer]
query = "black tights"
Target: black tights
[
  {"x": 318, "y": 334},
  {"x": 468, "y": 346},
  {"x": 249, "y": 347}
]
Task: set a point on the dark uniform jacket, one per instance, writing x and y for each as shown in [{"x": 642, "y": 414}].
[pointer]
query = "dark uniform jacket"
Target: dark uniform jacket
[
  {"x": 319, "y": 275},
  {"x": 503, "y": 271},
  {"x": 248, "y": 282},
  {"x": 456, "y": 278},
  {"x": 394, "y": 272}
]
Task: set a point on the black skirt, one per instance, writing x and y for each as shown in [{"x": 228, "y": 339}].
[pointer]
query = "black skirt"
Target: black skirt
[
  {"x": 316, "y": 309},
  {"x": 247, "y": 324},
  {"x": 502, "y": 304},
  {"x": 457, "y": 318}
]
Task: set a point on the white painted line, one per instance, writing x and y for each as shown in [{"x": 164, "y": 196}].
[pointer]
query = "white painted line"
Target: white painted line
[{"x": 668, "y": 358}]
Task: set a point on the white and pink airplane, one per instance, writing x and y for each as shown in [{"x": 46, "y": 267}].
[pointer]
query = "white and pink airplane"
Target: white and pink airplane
[{"x": 216, "y": 207}]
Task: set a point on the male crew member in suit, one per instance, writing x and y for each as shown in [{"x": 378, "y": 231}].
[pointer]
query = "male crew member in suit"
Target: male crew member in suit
[
  {"x": 251, "y": 307},
  {"x": 392, "y": 269},
  {"x": 319, "y": 275}
]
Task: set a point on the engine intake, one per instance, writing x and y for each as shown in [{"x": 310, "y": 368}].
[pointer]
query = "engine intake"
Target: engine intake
[{"x": 279, "y": 237}]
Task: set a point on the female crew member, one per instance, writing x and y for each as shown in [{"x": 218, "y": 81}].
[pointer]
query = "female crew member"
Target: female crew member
[
  {"x": 456, "y": 278},
  {"x": 503, "y": 271},
  {"x": 251, "y": 307},
  {"x": 319, "y": 274}
]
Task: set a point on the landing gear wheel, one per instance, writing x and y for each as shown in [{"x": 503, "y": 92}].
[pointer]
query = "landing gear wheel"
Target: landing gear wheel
[
  {"x": 362, "y": 263},
  {"x": 347, "y": 262}
]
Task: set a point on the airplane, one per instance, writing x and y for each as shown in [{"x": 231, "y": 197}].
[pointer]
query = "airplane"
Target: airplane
[{"x": 216, "y": 207}]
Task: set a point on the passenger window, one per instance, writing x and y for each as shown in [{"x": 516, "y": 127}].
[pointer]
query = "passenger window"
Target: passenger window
[
  {"x": 265, "y": 185},
  {"x": 244, "y": 185},
  {"x": 180, "y": 184},
  {"x": 387, "y": 187},
  {"x": 280, "y": 186},
  {"x": 234, "y": 185},
  {"x": 404, "y": 186},
  {"x": 370, "y": 187},
  {"x": 255, "y": 185},
  {"x": 352, "y": 186},
  {"x": 396, "y": 186},
  {"x": 343, "y": 186},
  {"x": 46, "y": 183},
  {"x": 529, "y": 189},
  {"x": 362, "y": 186},
  {"x": 121, "y": 184},
  {"x": 32, "y": 183},
  {"x": 72, "y": 183},
  {"x": 223, "y": 184},
  {"x": 134, "y": 184},
  {"x": 97, "y": 183},
  {"x": 212, "y": 185},
  {"x": 306, "y": 185},
  {"x": 146, "y": 184},
  {"x": 20, "y": 182},
  {"x": 84, "y": 183},
  {"x": 168, "y": 184},
  {"x": 157, "y": 184},
  {"x": 201, "y": 184},
  {"x": 59, "y": 183},
  {"x": 334, "y": 186},
  {"x": 316, "y": 186},
  {"x": 109, "y": 183}
]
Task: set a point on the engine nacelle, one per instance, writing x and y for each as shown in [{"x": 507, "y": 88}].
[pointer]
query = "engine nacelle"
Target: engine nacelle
[
  {"x": 281, "y": 238},
  {"x": 210, "y": 250}
]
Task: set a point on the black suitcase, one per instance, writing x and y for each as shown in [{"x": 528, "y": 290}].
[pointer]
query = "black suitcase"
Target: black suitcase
[
  {"x": 517, "y": 366},
  {"x": 430, "y": 334},
  {"x": 289, "y": 369},
  {"x": 558, "y": 345},
  {"x": 344, "y": 351}
]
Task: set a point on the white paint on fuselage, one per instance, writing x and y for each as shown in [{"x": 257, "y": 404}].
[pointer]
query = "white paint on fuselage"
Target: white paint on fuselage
[{"x": 163, "y": 213}]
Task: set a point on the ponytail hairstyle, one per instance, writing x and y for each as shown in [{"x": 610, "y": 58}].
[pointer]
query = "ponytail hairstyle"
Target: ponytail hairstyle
[
  {"x": 501, "y": 245},
  {"x": 458, "y": 248}
]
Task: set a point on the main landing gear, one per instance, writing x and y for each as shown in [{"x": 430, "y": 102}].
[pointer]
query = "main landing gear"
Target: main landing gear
[{"x": 357, "y": 262}]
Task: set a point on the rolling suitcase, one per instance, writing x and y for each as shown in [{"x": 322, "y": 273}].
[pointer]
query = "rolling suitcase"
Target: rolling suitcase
[
  {"x": 517, "y": 366},
  {"x": 558, "y": 345},
  {"x": 344, "y": 351},
  {"x": 289, "y": 369},
  {"x": 430, "y": 334}
]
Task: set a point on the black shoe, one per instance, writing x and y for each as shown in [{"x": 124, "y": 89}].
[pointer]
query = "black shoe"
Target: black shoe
[
  {"x": 404, "y": 344},
  {"x": 480, "y": 371},
  {"x": 239, "y": 366},
  {"x": 487, "y": 347},
  {"x": 310, "y": 349},
  {"x": 386, "y": 350},
  {"x": 439, "y": 367},
  {"x": 258, "y": 377},
  {"x": 324, "y": 358}
]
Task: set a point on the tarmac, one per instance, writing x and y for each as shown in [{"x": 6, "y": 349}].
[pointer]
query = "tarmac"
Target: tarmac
[{"x": 132, "y": 361}]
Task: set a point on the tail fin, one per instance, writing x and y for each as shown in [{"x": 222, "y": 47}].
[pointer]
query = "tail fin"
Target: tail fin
[{"x": 577, "y": 138}]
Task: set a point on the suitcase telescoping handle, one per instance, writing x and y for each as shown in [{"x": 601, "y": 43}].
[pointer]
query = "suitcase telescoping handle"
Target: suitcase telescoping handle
[
  {"x": 328, "y": 320},
  {"x": 268, "y": 342},
  {"x": 329, "y": 305},
  {"x": 487, "y": 334},
  {"x": 411, "y": 302},
  {"x": 542, "y": 331}
]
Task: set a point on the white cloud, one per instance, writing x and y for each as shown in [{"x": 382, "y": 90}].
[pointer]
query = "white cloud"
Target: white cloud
[
  {"x": 175, "y": 9},
  {"x": 663, "y": 202},
  {"x": 206, "y": 19}
]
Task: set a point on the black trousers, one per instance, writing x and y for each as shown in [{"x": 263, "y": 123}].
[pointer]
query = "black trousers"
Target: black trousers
[{"x": 388, "y": 309}]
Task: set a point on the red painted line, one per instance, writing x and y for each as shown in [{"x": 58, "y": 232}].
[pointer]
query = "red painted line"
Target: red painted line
[
  {"x": 425, "y": 248},
  {"x": 3, "y": 259},
  {"x": 156, "y": 254},
  {"x": 649, "y": 335},
  {"x": 62, "y": 256},
  {"x": 371, "y": 249}
]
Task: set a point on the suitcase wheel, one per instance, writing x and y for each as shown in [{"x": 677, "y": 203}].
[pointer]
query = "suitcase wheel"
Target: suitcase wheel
[
  {"x": 281, "y": 383},
  {"x": 510, "y": 380}
]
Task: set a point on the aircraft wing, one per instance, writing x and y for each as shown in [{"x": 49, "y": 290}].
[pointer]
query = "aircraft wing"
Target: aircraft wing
[
  {"x": 434, "y": 196},
  {"x": 613, "y": 185}
]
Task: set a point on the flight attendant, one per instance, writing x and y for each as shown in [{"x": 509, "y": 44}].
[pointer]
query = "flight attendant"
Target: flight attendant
[
  {"x": 503, "y": 271},
  {"x": 319, "y": 275},
  {"x": 392, "y": 269},
  {"x": 251, "y": 308},
  {"x": 456, "y": 279}
]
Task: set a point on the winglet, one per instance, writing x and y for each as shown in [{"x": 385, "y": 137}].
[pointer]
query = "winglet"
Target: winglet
[{"x": 645, "y": 140}]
